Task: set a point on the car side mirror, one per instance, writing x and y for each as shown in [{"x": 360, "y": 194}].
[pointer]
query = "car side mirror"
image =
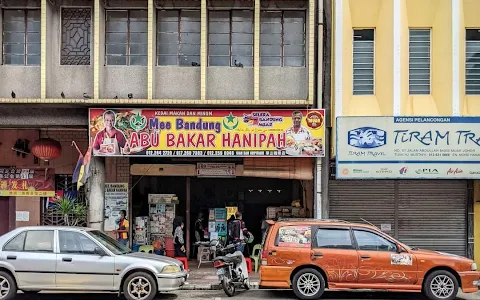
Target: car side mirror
[{"x": 99, "y": 251}]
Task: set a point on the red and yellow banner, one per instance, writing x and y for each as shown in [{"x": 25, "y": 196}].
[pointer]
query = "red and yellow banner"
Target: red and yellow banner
[
  {"x": 26, "y": 183},
  {"x": 202, "y": 132}
]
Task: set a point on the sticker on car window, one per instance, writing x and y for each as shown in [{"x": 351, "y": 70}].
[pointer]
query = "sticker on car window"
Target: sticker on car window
[
  {"x": 295, "y": 236},
  {"x": 401, "y": 259}
]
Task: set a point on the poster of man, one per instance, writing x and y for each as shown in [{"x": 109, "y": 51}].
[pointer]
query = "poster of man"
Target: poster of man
[{"x": 110, "y": 140}]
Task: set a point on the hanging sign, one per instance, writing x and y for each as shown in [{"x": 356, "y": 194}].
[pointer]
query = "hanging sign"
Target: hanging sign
[
  {"x": 27, "y": 182},
  {"x": 215, "y": 170},
  {"x": 207, "y": 133}
]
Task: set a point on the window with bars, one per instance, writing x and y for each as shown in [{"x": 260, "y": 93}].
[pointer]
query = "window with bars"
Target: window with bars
[
  {"x": 178, "y": 37},
  {"x": 126, "y": 37},
  {"x": 363, "y": 61},
  {"x": 21, "y": 37},
  {"x": 282, "y": 38},
  {"x": 230, "y": 38},
  {"x": 76, "y": 36},
  {"x": 472, "y": 62},
  {"x": 419, "y": 62}
]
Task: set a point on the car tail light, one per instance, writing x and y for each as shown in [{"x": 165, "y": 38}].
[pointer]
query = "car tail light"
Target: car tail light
[
  {"x": 218, "y": 264},
  {"x": 264, "y": 258}
]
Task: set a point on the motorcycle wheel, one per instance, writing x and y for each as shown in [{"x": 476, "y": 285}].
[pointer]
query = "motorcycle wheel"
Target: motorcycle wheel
[{"x": 228, "y": 288}]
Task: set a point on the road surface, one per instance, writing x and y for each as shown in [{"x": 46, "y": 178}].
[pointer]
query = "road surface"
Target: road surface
[{"x": 245, "y": 295}]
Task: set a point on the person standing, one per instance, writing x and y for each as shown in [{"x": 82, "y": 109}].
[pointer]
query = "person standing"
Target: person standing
[
  {"x": 199, "y": 232},
  {"x": 237, "y": 231},
  {"x": 178, "y": 239},
  {"x": 123, "y": 227}
]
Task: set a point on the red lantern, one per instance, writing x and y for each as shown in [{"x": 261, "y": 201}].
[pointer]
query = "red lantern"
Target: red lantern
[{"x": 46, "y": 149}]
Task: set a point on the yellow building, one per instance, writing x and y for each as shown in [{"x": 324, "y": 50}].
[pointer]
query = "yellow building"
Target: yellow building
[{"x": 412, "y": 58}]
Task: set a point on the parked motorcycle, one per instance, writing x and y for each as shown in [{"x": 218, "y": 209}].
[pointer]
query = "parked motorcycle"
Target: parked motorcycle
[{"x": 231, "y": 267}]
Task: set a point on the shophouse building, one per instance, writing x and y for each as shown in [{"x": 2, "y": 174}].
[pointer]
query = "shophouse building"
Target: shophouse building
[{"x": 65, "y": 61}]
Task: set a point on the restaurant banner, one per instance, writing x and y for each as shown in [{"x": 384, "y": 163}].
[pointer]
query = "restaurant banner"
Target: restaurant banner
[
  {"x": 408, "y": 148},
  {"x": 26, "y": 182},
  {"x": 207, "y": 132}
]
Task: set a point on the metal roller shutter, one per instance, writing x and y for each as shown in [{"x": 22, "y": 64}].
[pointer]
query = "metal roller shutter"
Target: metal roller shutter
[
  {"x": 432, "y": 214},
  {"x": 429, "y": 214},
  {"x": 372, "y": 200}
]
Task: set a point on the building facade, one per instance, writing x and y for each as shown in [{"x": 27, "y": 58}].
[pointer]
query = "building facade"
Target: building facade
[
  {"x": 409, "y": 58},
  {"x": 62, "y": 58}
]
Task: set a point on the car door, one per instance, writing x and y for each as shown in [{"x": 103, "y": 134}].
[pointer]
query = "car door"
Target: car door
[
  {"x": 32, "y": 255},
  {"x": 79, "y": 267},
  {"x": 334, "y": 251},
  {"x": 380, "y": 262}
]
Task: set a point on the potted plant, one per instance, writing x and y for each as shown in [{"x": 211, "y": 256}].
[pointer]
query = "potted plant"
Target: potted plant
[{"x": 73, "y": 213}]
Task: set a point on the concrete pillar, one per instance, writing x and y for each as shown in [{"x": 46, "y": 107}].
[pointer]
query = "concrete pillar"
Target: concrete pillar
[{"x": 96, "y": 193}]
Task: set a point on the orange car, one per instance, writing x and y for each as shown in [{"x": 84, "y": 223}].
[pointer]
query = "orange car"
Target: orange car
[{"x": 310, "y": 256}]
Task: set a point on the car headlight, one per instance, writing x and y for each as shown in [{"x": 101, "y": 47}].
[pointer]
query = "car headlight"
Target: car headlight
[
  {"x": 474, "y": 266},
  {"x": 171, "y": 269}
]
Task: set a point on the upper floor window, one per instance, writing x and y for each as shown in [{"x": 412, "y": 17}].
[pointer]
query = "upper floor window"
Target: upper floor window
[
  {"x": 419, "y": 62},
  {"x": 230, "y": 38},
  {"x": 178, "y": 37},
  {"x": 472, "y": 62},
  {"x": 21, "y": 37},
  {"x": 126, "y": 37},
  {"x": 282, "y": 38},
  {"x": 76, "y": 36},
  {"x": 363, "y": 61}
]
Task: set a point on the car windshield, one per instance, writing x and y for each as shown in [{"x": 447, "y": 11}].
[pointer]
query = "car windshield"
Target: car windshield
[{"x": 116, "y": 247}]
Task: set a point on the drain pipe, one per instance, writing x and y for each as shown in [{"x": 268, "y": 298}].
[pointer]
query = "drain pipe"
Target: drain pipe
[{"x": 324, "y": 86}]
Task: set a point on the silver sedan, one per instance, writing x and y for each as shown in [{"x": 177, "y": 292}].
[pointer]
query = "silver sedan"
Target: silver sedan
[{"x": 81, "y": 259}]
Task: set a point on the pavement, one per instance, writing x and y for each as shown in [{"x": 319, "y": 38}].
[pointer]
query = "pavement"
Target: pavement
[{"x": 220, "y": 295}]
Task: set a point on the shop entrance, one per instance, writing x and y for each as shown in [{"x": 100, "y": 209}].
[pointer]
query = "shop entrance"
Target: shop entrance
[{"x": 253, "y": 196}]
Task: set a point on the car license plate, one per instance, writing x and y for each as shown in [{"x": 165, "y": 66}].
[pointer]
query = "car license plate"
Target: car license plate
[{"x": 220, "y": 272}]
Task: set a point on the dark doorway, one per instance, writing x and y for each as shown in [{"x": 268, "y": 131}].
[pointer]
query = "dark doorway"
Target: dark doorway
[{"x": 4, "y": 215}]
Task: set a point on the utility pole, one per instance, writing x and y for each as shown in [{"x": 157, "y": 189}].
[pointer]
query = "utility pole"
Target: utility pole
[{"x": 96, "y": 193}]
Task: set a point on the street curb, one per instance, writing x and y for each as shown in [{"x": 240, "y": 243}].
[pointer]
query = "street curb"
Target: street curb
[{"x": 211, "y": 287}]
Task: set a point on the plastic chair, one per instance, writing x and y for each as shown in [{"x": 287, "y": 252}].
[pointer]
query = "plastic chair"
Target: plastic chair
[
  {"x": 256, "y": 255},
  {"x": 249, "y": 264},
  {"x": 146, "y": 249}
]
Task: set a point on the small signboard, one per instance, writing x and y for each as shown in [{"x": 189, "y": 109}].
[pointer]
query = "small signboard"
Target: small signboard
[{"x": 216, "y": 170}]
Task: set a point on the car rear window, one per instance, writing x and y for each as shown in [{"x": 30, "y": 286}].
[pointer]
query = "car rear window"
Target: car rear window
[
  {"x": 265, "y": 234},
  {"x": 298, "y": 236}
]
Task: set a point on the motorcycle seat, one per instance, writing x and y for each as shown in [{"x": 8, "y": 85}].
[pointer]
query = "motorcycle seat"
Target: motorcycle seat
[{"x": 236, "y": 259}]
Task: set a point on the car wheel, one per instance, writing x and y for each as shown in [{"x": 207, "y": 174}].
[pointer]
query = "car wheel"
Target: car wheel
[
  {"x": 8, "y": 286},
  {"x": 308, "y": 284},
  {"x": 441, "y": 285},
  {"x": 139, "y": 286}
]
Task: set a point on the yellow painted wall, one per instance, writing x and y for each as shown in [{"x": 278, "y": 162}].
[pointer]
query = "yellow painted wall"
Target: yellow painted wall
[
  {"x": 436, "y": 15},
  {"x": 470, "y": 105},
  {"x": 360, "y": 14}
]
